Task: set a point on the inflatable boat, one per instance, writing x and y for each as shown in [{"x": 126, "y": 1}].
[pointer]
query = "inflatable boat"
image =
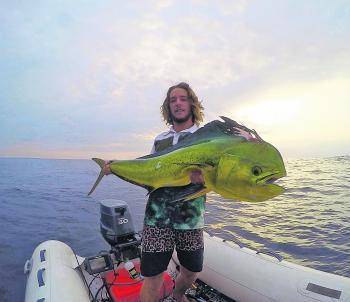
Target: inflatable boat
[{"x": 230, "y": 273}]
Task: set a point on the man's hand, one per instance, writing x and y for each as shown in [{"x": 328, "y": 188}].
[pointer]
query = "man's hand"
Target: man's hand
[
  {"x": 196, "y": 177},
  {"x": 247, "y": 135},
  {"x": 107, "y": 168}
]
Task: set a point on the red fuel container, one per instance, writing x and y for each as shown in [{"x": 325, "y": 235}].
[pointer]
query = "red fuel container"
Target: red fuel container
[{"x": 125, "y": 289}]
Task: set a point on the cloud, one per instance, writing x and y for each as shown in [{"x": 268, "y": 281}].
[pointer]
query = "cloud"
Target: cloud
[
  {"x": 304, "y": 118},
  {"x": 82, "y": 75}
]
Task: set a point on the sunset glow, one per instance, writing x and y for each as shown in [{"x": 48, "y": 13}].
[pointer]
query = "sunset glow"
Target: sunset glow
[{"x": 81, "y": 81}]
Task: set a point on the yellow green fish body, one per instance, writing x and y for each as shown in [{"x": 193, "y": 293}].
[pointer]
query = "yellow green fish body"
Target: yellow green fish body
[{"x": 232, "y": 166}]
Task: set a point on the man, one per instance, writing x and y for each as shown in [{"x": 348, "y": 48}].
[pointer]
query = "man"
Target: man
[{"x": 170, "y": 224}]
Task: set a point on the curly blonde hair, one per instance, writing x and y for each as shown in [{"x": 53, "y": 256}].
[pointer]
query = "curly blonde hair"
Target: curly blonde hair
[{"x": 196, "y": 106}]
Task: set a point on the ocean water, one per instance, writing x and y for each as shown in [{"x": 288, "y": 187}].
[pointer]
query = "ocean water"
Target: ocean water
[{"x": 46, "y": 199}]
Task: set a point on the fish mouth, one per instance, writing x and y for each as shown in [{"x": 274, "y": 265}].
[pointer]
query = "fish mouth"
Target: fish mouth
[
  {"x": 269, "y": 179},
  {"x": 266, "y": 188}
]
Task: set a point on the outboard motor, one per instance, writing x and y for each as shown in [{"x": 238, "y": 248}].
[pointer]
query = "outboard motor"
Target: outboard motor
[
  {"x": 119, "y": 268},
  {"x": 118, "y": 230}
]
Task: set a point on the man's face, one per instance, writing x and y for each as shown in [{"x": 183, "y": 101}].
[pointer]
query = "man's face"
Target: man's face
[{"x": 180, "y": 105}]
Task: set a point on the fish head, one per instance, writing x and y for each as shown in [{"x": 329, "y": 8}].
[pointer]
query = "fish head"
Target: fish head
[{"x": 249, "y": 171}]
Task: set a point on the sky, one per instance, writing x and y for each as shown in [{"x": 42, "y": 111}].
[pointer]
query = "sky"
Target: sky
[{"x": 82, "y": 79}]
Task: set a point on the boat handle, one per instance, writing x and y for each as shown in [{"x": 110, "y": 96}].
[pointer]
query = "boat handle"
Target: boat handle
[
  {"x": 40, "y": 276},
  {"x": 273, "y": 254},
  {"x": 42, "y": 255},
  {"x": 28, "y": 266}
]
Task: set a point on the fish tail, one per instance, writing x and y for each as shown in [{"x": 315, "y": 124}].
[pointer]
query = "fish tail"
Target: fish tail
[{"x": 101, "y": 163}]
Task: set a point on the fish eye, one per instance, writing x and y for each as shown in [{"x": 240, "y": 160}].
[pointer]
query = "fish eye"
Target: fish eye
[{"x": 256, "y": 170}]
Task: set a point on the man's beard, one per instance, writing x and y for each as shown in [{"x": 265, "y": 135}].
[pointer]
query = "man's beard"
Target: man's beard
[{"x": 182, "y": 120}]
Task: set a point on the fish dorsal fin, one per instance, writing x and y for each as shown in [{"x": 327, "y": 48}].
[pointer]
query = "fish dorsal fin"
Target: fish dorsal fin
[
  {"x": 210, "y": 131},
  {"x": 233, "y": 128}
]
